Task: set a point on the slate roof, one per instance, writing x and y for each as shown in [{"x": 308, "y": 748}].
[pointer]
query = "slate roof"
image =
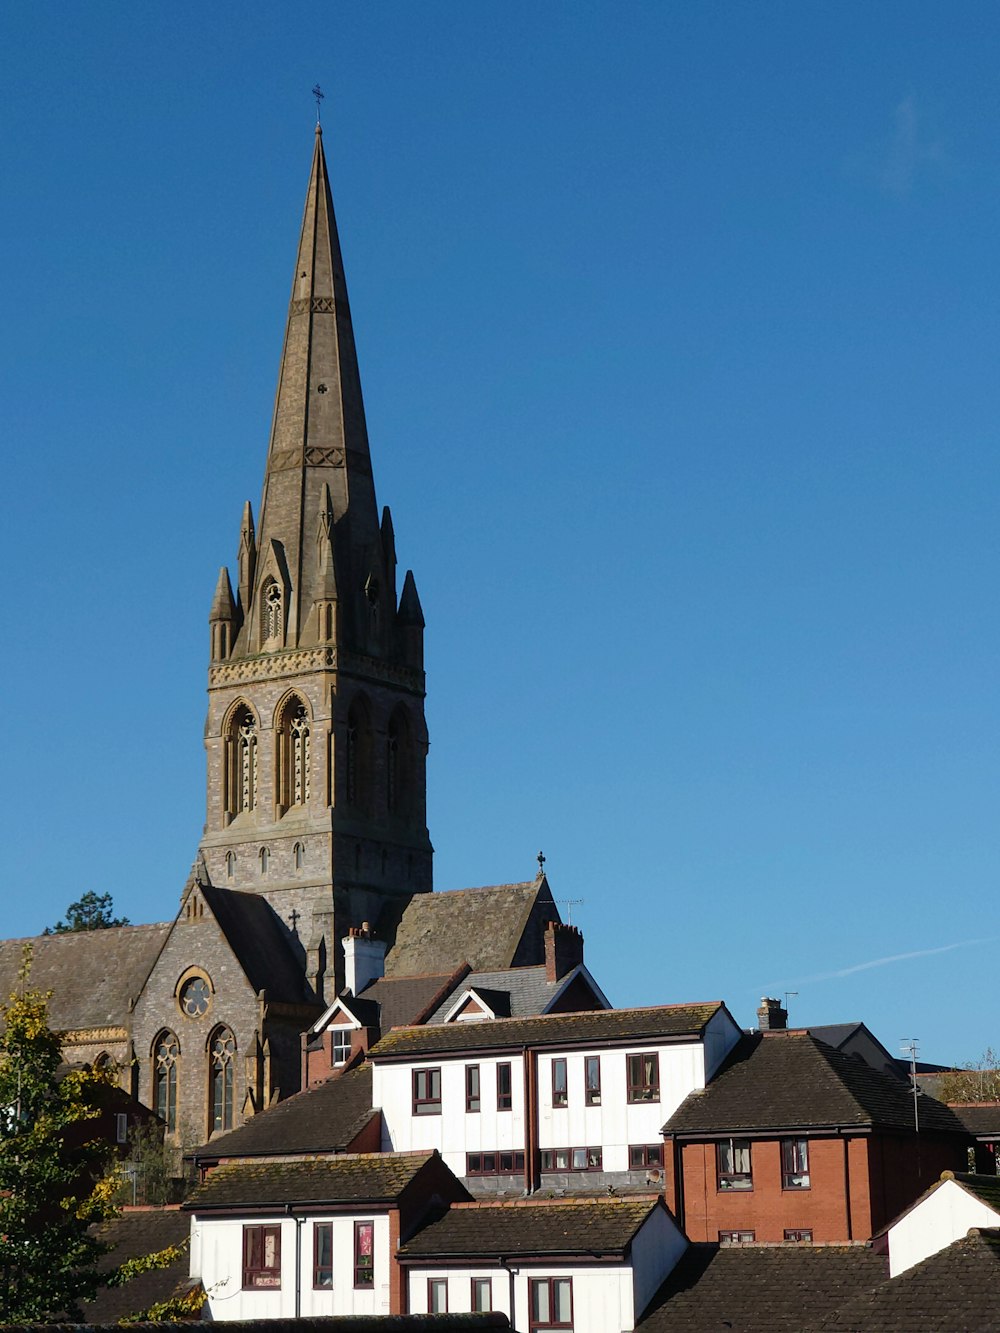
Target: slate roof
[
  {"x": 981, "y": 1119},
  {"x": 322, "y": 1119},
  {"x": 353, "y": 1178},
  {"x": 136, "y": 1233},
  {"x": 92, "y": 974},
  {"x": 260, "y": 942},
  {"x": 759, "y": 1288},
  {"x": 672, "y": 1021},
  {"x": 484, "y": 927},
  {"x": 789, "y": 1080},
  {"x": 958, "y": 1288},
  {"x": 526, "y": 990},
  {"x": 404, "y": 1000},
  {"x": 481, "y": 1230}
]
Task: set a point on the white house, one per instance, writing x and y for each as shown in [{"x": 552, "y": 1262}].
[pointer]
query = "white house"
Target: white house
[
  {"x": 590, "y": 1265},
  {"x": 571, "y": 1101},
  {"x": 946, "y": 1213}
]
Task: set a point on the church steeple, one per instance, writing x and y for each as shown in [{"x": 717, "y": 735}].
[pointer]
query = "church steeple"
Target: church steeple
[{"x": 316, "y": 736}]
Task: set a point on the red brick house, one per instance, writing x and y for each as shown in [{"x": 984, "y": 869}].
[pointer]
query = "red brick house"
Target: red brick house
[{"x": 794, "y": 1140}]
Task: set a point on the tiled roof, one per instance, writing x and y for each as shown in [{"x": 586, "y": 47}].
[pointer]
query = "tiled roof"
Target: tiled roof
[
  {"x": 602, "y": 1226},
  {"x": 980, "y": 1119},
  {"x": 483, "y": 927},
  {"x": 527, "y": 990},
  {"x": 956, "y": 1289},
  {"x": 600, "y": 1025},
  {"x": 353, "y": 1178},
  {"x": 92, "y": 974},
  {"x": 325, "y": 1118},
  {"x": 260, "y": 942},
  {"x": 406, "y": 999},
  {"x": 985, "y": 1188},
  {"x": 789, "y": 1080},
  {"x": 137, "y": 1233},
  {"x": 759, "y": 1288}
]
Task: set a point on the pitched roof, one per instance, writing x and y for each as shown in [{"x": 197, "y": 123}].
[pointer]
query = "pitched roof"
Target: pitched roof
[
  {"x": 260, "y": 942},
  {"x": 759, "y": 1288},
  {"x": 92, "y": 974},
  {"x": 985, "y": 1188},
  {"x": 979, "y": 1118},
  {"x": 407, "y": 999},
  {"x": 322, "y": 1119},
  {"x": 135, "y": 1234},
  {"x": 591, "y": 1226},
  {"x": 487, "y": 928},
  {"x": 354, "y": 1178},
  {"x": 789, "y": 1080},
  {"x": 666, "y": 1022},
  {"x": 957, "y": 1288},
  {"x": 526, "y": 989}
]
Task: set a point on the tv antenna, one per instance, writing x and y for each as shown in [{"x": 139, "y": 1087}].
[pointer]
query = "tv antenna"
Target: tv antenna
[
  {"x": 790, "y": 995},
  {"x": 911, "y": 1047},
  {"x": 569, "y": 904}
]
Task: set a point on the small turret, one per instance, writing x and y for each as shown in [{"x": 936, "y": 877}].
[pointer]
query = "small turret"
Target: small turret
[
  {"x": 389, "y": 555},
  {"x": 247, "y": 557},
  {"x": 222, "y": 618},
  {"x": 410, "y": 621}
]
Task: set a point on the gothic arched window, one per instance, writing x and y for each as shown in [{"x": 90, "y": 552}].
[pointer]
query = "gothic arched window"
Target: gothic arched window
[
  {"x": 241, "y": 769},
  {"x": 222, "y": 1054},
  {"x": 166, "y": 1052},
  {"x": 299, "y": 853},
  {"x": 230, "y": 864},
  {"x": 272, "y": 613},
  {"x": 265, "y": 857},
  {"x": 293, "y": 753}
]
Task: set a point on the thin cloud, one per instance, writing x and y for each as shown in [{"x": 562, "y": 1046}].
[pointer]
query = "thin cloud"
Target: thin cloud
[
  {"x": 910, "y": 152},
  {"x": 882, "y": 962}
]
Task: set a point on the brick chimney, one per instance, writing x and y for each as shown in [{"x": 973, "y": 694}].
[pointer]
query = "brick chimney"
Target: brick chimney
[
  {"x": 772, "y": 1016},
  {"x": 563, "y": 949},
  {"x": 364, "y": 958}
]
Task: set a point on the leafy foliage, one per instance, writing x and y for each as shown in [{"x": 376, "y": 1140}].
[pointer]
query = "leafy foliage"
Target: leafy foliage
[
  {"x": 148, "y": 1179},
  {"x": 53, "y": 1186},
  {"x": 976, "y": 1082},
  {"x": 186, "y": 1306},
  {"x": 91, "y": 912},
  {"x": 147, "y": 1263}
]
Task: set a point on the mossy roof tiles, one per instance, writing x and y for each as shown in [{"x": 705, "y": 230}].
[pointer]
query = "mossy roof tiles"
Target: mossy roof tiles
[
  {"x": 363, "y": 1178},
  {"x": 486, "y": 1230}
]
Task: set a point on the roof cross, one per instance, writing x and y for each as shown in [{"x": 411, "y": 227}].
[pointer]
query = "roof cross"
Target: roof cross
[{"x": 318, "y": 93}]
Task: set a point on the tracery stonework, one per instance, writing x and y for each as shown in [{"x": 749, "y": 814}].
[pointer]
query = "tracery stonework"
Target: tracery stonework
[{"x": 300, "y": 755}]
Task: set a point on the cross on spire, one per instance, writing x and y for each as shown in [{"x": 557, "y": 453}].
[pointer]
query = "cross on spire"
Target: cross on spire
[{"x": 318, "y": 94}]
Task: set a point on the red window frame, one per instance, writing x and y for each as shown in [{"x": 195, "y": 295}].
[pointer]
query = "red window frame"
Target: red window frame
[
  {"x": 592, "y": 1080},
  {"x": 592, "y": 1159},
  {"x": 795, "y": 1164},
  {"x": 494, "y": 1162},
  {"x": 364, "y": 1254},
  {"x": 427, "y": 1091},
  {"x": 322, "y": 1266},
  {"x": 560, "y": 1082},
  {"x": 643, "y": 1068},
  {"x": 645, "y": 1154},
  {"x": 479, "y": 1285},
  {"x": 258, "y": 1274},
  {"x": 737, "y": 1237},
  {"x": 437, "y": 1284},
  {"x": 505, "y": 1086},
  {"x": 535, "y": 1322},
  {"x": 803, "y": 1235},
  {"x": 728, "y": 1178},
  {"x": 473, "y": 1089}
]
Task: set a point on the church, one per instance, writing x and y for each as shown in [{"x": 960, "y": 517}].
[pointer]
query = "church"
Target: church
[{"x": 316, "y": 746}]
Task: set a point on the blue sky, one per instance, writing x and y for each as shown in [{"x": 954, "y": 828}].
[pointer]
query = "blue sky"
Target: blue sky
[{"x": 678, "y": 327}]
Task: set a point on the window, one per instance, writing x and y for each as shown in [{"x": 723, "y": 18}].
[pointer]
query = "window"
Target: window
[
  {"x": 802, "y": 1234},
  {"x": 299, "y": 852},
  {"x": 794, "y": 1164},
  {"x": 505, "y": 1097},
  {"x": 222, "y": 1052},
  {"x": 737, "y": 1237},
  {"x": 592, "y": 1080},
  {"x": 323, "y": 1255},
  {"x": 571, "y": 1159},
  {"x": 230, "y": 864},
  {"x": 437, "y": 1295},
  {"x": 121, "y": 1127},
  {"x": 482, "y": 1295},
  {"x": 261, "y": 1257},
  {"x": 559, "y": 1093},
  {"x": 472, "y": 1087},
  {"x": 195, "y": 997},
  {"x": 427, "y": 1092},
  {"x": 364, "y": 1254},
  {"x": 645, "y": 1154},
  {"x": 643, "y": 1077},
  {"x": 292, "y": 754},
  {"x": 494, "y": 1163},
  {"x": 551, "y": 1303},
  {"x": 271, "y": 612},
  {"x": 340, "y": 1047},
  {"x": 241, "y": 762},
  {"x": 733, "y": 1158},
  {"x": 165, "y": 1054}
]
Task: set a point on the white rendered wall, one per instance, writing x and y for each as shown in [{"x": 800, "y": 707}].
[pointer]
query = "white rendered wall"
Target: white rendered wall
[
  {"x": 656, "y": 1248},
  {"x": 217, "y": 1258},
  {"x": 721, "y": 1035},
  {"x": 602, "y": 1293},
  {"x": 944, "y": 1216},
  {"x": 459, "y": 1288}
]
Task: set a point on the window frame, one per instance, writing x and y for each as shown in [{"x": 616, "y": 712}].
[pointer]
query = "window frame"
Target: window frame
[
  {"x": 253, "y": 1275},
  {"x": 341, "y": 1030},
  {"x": 740, "y": 1236},
  {"x": 427, "y": 1103},
  {"x": 477, "y": 1285},
  {"x": 733, "y": 1181},
  {"x": 643, "y": 1150},
  {"x": 437, "y": 1284},
  {"x": 475, "y": 1164},
  {"x": 591, "y": 1089},
  {"x": 364, "y": 1273},
  {"x": 473, "y": 1090},
  {"x": 799, "y": 1235},
  {"x": 318, "y": 1268},
  {"x": 544, "y": 1324},
  {"x": 571, "y": 1153},
  {"x": 505, "y": 1099},
  {"x": 560, "y": 1095},
  {"x": 641, "y": 1090},
  {"x": 793, "y": 1150}
]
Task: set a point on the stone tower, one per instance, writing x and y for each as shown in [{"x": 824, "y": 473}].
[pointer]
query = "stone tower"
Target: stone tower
[{"x": 316, "y": 737}]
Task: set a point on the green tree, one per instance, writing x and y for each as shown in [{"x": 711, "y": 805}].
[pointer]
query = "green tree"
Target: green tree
[
  {"x": 53, "y": 1186},
  {"x": 976, "y": 1082},
  {"x": 91, "y": 912}
]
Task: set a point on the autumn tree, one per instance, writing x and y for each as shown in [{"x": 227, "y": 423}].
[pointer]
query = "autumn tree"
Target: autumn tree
[
  {"x": 52, "y": 1168},
  {"x": 976, "y": 1082},
  {"x": 91, "y": 912}
]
